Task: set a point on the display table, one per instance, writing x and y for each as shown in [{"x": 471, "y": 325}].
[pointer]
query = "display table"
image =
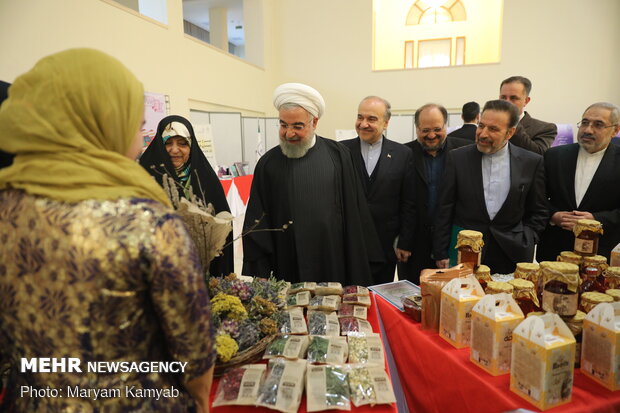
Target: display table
[
  {"x": 384, "y": 408},
  {"x": 438, "y": 378}
]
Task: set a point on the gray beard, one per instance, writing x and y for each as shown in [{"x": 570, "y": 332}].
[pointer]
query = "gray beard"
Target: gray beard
[{"x": 295, "y": 150}]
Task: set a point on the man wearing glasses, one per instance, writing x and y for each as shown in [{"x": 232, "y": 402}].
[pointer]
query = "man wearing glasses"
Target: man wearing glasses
[
  {"x": 531, "y": 134},
  {"x": 307, "y": 218},
  {"x": 429, "y": 154},
  {"x": 582, "y": 183}
]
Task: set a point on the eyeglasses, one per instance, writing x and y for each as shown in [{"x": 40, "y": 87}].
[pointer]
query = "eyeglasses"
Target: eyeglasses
[
  {"x": 297, "y": 126},
  {"x": 597, "y": 124},
  {"x": 435, "y": 131}
]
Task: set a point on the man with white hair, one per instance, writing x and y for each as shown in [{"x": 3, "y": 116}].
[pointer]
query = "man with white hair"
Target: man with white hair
[{"x": 307, "y": 184}]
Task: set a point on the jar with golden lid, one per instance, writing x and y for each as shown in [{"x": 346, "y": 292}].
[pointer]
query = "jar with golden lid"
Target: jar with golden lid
[
  {"x": 615, "y": 294},
  {"x": 469, "y": 245},
  {"x": 483, "y": 275},
  {"x": 575, "y": 325},
  {"x": 560, "y": 282},
  {"x": 527, "y": 271},
  {"x": 611, "y": 277},
  {"x": 497, "y": 287},
  {"x": 592, "y": 278},
  {"x": 591, "y": 299},
  {"x": 524, "y": 294},
  {"x": 587, "y": 233},
  {"x": 571, "y": 257}
]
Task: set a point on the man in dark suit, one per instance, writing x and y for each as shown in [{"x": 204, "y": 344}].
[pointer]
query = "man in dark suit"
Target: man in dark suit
[
  {"x": 429, "y": 154},
  {"x": 496, "y": 188},
  {"x": 385, "y": 169},
  {"x": 583, "y": 181},
  {"x": 531, "y": 134},
  {"x": 471, "y": 116}
]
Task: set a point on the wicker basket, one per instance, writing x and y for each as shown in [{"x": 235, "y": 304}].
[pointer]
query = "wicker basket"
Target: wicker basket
[{"x": 247, "y": 356}]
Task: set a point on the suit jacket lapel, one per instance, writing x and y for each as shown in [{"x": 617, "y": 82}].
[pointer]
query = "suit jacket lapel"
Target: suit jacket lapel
[
  {"x": 358, "y": 162},
  {"x": 383, "y": 165},
  {"x": 420, "y": 166},
  {"x": 605, "y": 168},
  {"x": 476, "y": 181}
]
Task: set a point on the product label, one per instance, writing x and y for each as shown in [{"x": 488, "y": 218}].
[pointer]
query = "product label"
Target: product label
[
  {"x": 360, "y": 312},
  {"x": 584, "y": 246},
  {"x": 561, "y": 304}
]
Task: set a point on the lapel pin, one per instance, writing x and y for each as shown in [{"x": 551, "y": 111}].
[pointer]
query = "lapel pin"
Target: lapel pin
[{"x": 389, "y": 155}]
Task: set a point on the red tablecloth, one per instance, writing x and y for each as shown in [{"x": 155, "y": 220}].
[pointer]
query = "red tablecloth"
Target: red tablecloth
[
  {"x": 374, "y": 321},
  {"x": 437, "y": 378}
]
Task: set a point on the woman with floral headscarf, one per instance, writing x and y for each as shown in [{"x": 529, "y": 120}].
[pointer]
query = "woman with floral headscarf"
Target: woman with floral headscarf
[
  {"x": 94, "y": 264},
  {"x": 175, "y": 152}
]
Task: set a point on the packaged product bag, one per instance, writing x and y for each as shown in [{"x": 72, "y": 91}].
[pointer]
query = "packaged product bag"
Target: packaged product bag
[
  {"x": 357, "y": 311},
  {"x": 288, "y": 346},
  {"x": 328, "y": 350},
  {"x": 543, "y": 359},
  {"x": 327, "y": 388},
  {"x": 493, "y": 319},
  {"x": 366, "y": 348},
  {"x": 431, "y": 283},
  {"x": 299, "y": 299},
  {"x": 240, "y": 385},
  {"x": 283, "y": 386},
  {"x": 600, "y": 348},
  {"x": 321, "y": 323},
  {"x": 292, "y": 321},
  {"x": 458, "y": 298},
  {"x": 370, "y": 384}
]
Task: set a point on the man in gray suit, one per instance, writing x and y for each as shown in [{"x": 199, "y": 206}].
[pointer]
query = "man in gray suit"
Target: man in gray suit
[
  {"x": 496, "y": 188},
  {"x": 531, "y": 134}
]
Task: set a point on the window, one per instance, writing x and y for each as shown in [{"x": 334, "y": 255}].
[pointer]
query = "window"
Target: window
[
  {"x": 434, "y": 53},
  {"x": 155, "y": 9}
]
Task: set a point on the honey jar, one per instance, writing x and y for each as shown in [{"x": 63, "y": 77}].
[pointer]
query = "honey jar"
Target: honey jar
[
  {"x": 483, "y": 275},
  {"x": 591, "y": 299},
  {"x": 611, "y": 277},
  {"x": 571, "y": 257},
  {"x": 496, "y": 287},
  {"x": 560, "y": 282},
  {"x": 592, "y": 278},
  {"x": 575, "y": 324},
  {"x": 469, "y": 244},
  {"x": 527, "y": 271},
  {"x": 615, "y": 294},
  {"x": 587, "y": 233},
  {"x": 524, "y": 294}
]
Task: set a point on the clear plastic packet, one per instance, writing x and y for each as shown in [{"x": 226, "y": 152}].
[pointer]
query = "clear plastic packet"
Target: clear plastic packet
[
  {"x": 366, "y": 348},
  {"x": 357, "y": 300},
  {"x": 324, "y": 303},
  {"x": 328, "y": 350},
  {"x": 349, "y": 310},
  {"x": 331, "y": 288},
  {"x": 300, "y": 299},
  {"x": 299, "y": 287},
  {"x": 240, "y": 385},
  {"x": 322, "y": 323},
  {"x": 327, "y": 388},
  {"x": 287, "y": 346},
  {"x": 283, "y": 386},
  {"x": 356, "y": 290},
  {"x": 293, "y": 322},
  {"x": 352, "y": 324},
  {"x": 370, "y": 384}
]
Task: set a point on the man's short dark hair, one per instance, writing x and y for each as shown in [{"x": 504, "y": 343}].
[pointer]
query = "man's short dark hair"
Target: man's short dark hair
[
  {"x": 470, "y": 111},
  {"x": 527, "y": 85},
  {"x": 504, "y": 106},
  {"x": 443, "y": 111}
]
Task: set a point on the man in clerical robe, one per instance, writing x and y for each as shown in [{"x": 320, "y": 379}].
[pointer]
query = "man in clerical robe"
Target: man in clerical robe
[{"x": 307, "y": 218}]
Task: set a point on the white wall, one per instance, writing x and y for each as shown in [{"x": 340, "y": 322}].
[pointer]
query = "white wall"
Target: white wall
[{"x": 568, "y": 48}]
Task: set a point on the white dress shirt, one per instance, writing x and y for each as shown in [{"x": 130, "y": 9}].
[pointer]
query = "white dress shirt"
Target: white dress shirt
[
  {"x": 496, "y": 179},
  {"x": 371, "y": 154},
  {"x": 587, "y": 164}
]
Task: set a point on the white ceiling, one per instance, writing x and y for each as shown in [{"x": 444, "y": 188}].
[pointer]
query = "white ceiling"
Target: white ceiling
[{"x": 197, "y": 12}]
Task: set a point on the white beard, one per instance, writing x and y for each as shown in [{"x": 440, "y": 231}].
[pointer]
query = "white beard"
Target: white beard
[{"x": 295, "y": 150}]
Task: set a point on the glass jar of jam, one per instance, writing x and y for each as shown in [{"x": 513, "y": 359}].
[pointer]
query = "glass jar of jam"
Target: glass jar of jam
[
  {"x": 527, "y": 271},
  {"x": 497, "y": 287},
  {"x": 483, "y": 275},
  {"x": 524, "y": 294},
  {"x": 591, "y": 273},
  {"x": 571, "y": 257},
  {"x": 611, "y": 278},
  {"x": 613, "y": 293},
  {"x": 469, "y": 244},
  {"x": 587, "y": 232},
  {"x": 560, "y": 283},
  {"x": 591, "y": 299},
  {"x": 575, "y": 325}
]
